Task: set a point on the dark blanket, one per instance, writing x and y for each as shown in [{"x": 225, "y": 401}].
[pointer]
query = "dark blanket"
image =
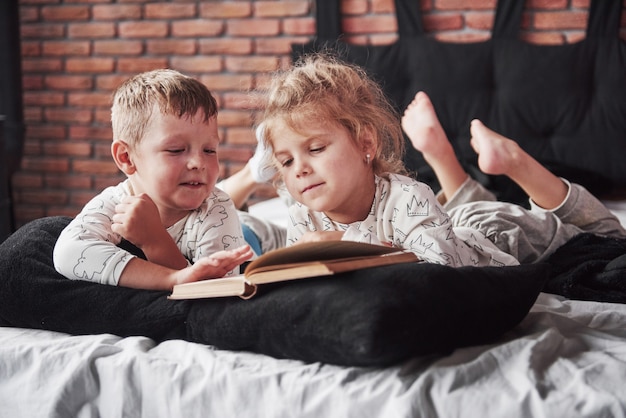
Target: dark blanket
[
  {"x": 370, "y": 317},
  {"x": 589, "y": 267}
]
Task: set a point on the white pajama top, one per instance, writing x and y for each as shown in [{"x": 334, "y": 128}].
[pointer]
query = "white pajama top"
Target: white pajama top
[
  {"x": 87, "y": 247},
  {"x": 406, "y": 214}
]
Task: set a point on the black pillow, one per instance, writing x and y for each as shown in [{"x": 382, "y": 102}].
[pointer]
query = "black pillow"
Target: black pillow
[
  {"x": 372, "y": 317},
  {"x": 34, "y": 295}
]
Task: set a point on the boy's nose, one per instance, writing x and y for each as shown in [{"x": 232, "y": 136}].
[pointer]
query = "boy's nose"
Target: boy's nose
[{"x": 195, "y": 162}]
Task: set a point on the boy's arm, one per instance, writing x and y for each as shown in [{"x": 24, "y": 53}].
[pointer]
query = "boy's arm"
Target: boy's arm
[{"x": 142, "y": 274}]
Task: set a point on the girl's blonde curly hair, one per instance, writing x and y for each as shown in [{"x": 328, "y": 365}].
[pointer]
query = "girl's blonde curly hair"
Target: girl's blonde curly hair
[{"x": 320, "y": 88}]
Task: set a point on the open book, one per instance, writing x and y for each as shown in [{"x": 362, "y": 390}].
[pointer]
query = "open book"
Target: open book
[{"x": 311, "y": 259}]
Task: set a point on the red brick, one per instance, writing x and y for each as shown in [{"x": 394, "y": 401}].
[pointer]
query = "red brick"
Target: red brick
[
  {"x": 197, "y": 64},
  {"x": 443, "y": 22},
  {"x": 68, "y": 115},
  {"x": 43, "y": 98},
  {"x": 231, "y": 46},
  {"x": 70, "y": 149},
  {"x": 548, "y": 4},
  {"x": 27, "y": 180},
  {"x": 68, "y": 182},
  {"x": 91, "y": 30},
  {"x": 30, "y": 48},
  {"x": 32, "y": 114},
  {"x": 379, "y": 24},
  {"x": 230, "y": 118},
  {"x": 197, "y": 28},
  {"x": 90, "y": 65},
  {"x": 359, "y": 7},
  {"x": 28, "y": 14},
  {"x": 170, "y": 11},
  {"x": 117, "y": 47},
  {"x": 224, "y": 10},
  {"x": 102, "y": 116},
  {"x": 116, "y": 12},
  {"x": 68, "y": 82},
  {"x": 465, "y": 5},
  {"x": 47, "y": 164},
  {"x": 299, "y": 26},
  {"x": 276, "y": 46},
  {"x": 102, "y": 133},
  {"x": 226, "y": 82},
  {"x": 94, "y": 166},
  {"x": 41, "y": 31},
  {"x": 32, "y": 146},
  {"x": 45, "y": 132},
  {"x": 137, "y": 65},
  {"x": 110, "y": 81},
  {"x": 171, "y": 47},
  {"x": 43, "y": 65},
  {"x": 32, "y": 82},
  {"x": 89, "y": 99},
  {"x": 251, "y": 64},
  {"x": 65, "y": 13},
  {"x": 480, "y": 20},
  {"x": 281, "y": 8},
  {"x": 102, "y": 150},
  {"x": 65, "y": 48},
  {"x": 560, "y": 20},
  {"x": 237, "y": 153},
  {"x": 143, "y": 29},
  {"x": 253, "y": 27}
]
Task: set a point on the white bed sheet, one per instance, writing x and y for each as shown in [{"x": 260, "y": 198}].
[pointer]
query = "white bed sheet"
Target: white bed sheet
[{"x": 566, "y": 359}]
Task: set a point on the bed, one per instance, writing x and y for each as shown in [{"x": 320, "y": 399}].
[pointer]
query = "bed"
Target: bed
[{"x": 409, "y": 340}]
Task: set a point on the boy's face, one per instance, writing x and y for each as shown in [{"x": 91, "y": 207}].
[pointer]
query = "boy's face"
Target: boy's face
[
  {"x": 323, "y": 169},
  {"x": 176, "y": 163}
]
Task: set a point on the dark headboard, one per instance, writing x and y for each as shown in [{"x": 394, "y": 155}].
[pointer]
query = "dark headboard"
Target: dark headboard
[{"x": 565, "y": 104}]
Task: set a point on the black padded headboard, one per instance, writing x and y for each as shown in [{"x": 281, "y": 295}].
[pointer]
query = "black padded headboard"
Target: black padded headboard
[{"x": 565, "y": 104}]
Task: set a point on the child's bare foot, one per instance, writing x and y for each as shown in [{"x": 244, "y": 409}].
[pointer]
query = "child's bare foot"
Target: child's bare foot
[
  {"x": 421, "y": 125},
  {"x": 496, "y": 153},
  {"x": 500, "y": 155}
]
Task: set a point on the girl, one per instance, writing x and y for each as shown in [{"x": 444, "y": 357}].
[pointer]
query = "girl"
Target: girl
[{"x": 338, "y": 146}]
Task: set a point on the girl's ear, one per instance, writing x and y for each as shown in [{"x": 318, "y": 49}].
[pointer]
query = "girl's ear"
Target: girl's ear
[
  {"x": 121, "y": 155},
  {"x": 368, "y": 142}
]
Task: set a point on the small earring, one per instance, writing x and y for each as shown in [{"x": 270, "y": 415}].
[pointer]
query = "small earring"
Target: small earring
[{"x": 367, "y": 156}]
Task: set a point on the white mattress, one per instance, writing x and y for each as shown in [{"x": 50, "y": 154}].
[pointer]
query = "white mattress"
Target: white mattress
[{"x": 566, "y": 359}]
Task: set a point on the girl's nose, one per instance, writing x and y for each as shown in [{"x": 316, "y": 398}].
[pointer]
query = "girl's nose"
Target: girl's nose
[{"x": 302, "y": 167}]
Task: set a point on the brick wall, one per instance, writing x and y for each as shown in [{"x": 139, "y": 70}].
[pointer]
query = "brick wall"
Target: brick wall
[{"x": 75, "y": 52}]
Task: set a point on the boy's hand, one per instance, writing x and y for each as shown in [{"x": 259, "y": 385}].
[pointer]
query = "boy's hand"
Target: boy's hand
[
  {"x": 137, "y": 219},
  {"x": 214, "y": 266}
]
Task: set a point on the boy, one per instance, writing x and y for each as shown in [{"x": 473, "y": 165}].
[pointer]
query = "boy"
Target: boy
[{"x": 165, "y": 140}]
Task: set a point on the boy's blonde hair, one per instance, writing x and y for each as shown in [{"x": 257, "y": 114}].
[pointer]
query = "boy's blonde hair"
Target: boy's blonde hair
[
  {"x": 166, "y": 91},
  {"x": 321, "y": 89}
]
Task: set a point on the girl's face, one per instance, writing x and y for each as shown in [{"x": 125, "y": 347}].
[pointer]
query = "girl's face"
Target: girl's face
[
  {"x": 325, "y": 170},
  {"x": 176, "y": 163}
]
